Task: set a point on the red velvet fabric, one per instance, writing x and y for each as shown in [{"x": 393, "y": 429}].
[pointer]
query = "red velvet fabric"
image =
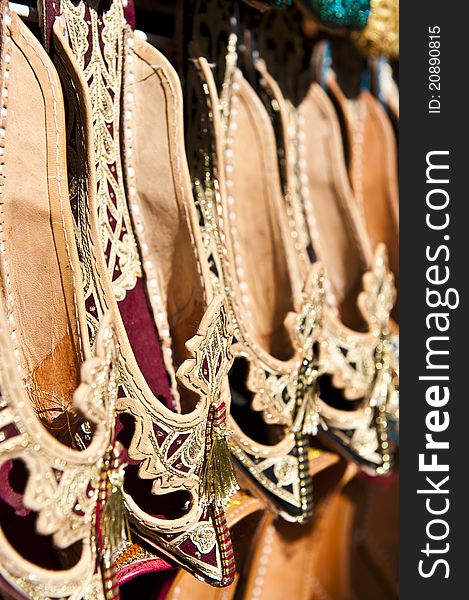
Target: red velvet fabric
[{"x": 143, "y": 336}]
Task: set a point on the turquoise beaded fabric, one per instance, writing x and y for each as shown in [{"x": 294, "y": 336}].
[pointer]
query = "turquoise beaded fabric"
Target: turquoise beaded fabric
[{"x": 352, "y": 14}]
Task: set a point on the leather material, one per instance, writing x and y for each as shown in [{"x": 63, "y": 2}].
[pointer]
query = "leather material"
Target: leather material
[
  {"x": 340, "y": 234},
  {"x": 46, "y": 315},
  {"x": 326, "y": 226},
  {"x": 285, "y": 559},
  {"x": 273, "y": 450},
  {"x": 359, "y": 554},
  {"x": 118, "y": 238},
  {"x": 337, "y": 236},
  {"x": 164, "y": 200},
  {"x": 372, "y": 168},
  {"x": 263, "y": 246}
]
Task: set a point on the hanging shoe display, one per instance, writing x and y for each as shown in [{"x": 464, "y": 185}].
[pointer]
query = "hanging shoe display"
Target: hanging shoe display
[
  {"x": 199, "y": 340},
  {"x": 369, "y": 133}
]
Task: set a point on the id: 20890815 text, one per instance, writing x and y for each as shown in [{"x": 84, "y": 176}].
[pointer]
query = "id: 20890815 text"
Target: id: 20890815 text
[{"x": 434, "y": 70}]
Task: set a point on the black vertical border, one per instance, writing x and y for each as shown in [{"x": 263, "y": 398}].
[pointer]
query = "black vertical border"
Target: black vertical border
[{"x": 420, "y": 133}]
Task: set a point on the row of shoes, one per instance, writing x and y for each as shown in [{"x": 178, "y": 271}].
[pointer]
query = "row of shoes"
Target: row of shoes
[{"x": 197, "y": 288}]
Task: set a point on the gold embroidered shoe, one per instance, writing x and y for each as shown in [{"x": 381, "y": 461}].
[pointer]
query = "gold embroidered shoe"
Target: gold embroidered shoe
[
  {"x": 356, "y": 371},
  {"x": 60, "y": 469},
  {"x": 238, "y": 196},
  {"x": 139, "y": 254}
]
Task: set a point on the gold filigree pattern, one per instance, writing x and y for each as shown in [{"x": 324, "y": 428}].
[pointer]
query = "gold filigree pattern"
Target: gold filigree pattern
[
  {"x": 274, "y": 392},
  {"x": 349, "y": 357},
  {"x": 278, "y": 474},
  {"x": 353, "y": 360},
  {"x": 171, "y": 450},
  {"x": 101, "y": 66},
  {"x": 61, "y": 484},
  {"x": 204, "y": 538},
  {"x": 308, "y": 322},
  {"x": 366, "y": 366},
  {"x": 379, "y": 294},
  {"x": 211, "y": 357}
]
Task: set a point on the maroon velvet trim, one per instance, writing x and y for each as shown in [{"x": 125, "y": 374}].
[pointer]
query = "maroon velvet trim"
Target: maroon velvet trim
[
  {"x": 154, "y": 586},
  {"x": 9, "y": 489},
  {"x": 129, "y": 14},
  {"x": 49, "y": 9},
  {"x": 18, "y": 523},
  {"x": 135, "y": 310},
  {"x": 143, "y": 337}
]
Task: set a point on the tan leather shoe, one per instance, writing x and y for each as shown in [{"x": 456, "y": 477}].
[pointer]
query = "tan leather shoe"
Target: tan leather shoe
[
  {"x": 59, "y": 464},
  {"x": 358, "y": 559},
  {"x": 286, "y": 560},
  {"x": 263, "y": 552},
  {"x": 140, "y": 257}
]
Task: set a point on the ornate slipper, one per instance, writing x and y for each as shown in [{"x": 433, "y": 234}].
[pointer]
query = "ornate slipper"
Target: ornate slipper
[
  {"x": 354, "y": 386},
  {"x": 140, "y": 257},
  {"x": 60, "y": 469},
  {"x": 233, "y": 161}
]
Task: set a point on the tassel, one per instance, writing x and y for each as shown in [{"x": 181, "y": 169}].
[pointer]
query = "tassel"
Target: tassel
[
  {"x": 218, "y": 481},
  {"x": 111, "y": 522},
  {"x": 308, "y": 419}
]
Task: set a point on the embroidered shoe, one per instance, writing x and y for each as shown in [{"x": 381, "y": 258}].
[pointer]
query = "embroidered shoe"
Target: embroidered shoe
[
  {"x": 60, "y": 469},
  {"x": 140, "y": 257},
  {"x": 357, "y": 367}
]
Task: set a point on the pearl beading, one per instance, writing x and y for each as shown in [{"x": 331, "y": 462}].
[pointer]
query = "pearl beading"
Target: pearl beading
[
  {"x": 303, "y": 177},
  {"x": 3, "y": 250},
  {"x": 264, "y": 558},
  {"x": 357, "y": 113},
  {"x": 231, "y": 128},
  {"x": 3, "y": 116}
]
